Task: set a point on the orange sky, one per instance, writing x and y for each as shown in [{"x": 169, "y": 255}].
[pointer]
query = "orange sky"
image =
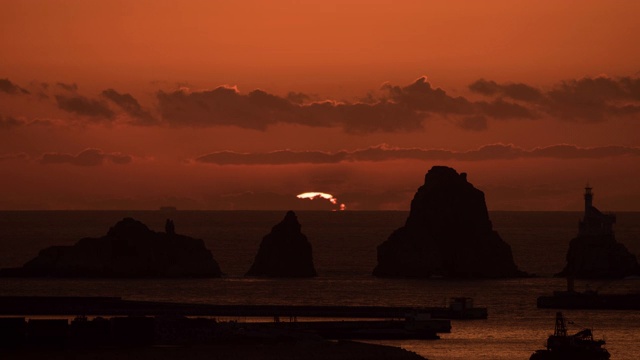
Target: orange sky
[{"x": 138, "y": 104}]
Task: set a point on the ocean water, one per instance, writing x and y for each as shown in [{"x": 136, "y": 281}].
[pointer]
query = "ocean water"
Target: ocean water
[{"x": 344, "y": 245}]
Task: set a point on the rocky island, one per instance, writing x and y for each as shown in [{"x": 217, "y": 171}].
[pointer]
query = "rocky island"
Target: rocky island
[
  {"x": 595, "y": 253},
  {"x": 128, "y": 250},
  {"x": 284, "y": 252},
  {"x": 448, "y": 233}
]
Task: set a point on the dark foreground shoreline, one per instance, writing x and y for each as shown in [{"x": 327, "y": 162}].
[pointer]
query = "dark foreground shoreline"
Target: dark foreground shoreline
[
  {"x": 303, "y": 350},
  {"x": 172, "y": 335}
]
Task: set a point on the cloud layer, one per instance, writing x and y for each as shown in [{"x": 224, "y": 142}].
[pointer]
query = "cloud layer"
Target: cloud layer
[
  {"x": 394, "y": 109},
  {"x": 130, "y": 105},
  {"x": 385, "y": 153},
  {"x": 399, "y": 109},
  {"x": 6, "y": 86},
  {"x": 81, "y": 105}
]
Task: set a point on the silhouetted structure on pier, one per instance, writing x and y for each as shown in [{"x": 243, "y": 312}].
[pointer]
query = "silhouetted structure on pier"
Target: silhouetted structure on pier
[
  {"x": 595, "y": 253},
  {"x": 595, "y": 223}
]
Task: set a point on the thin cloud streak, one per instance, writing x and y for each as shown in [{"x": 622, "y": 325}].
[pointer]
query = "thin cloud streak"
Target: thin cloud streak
[
  {"x": 14, "y": 156},
  {"x": 7, "y": 123},
  {"x": 386, "y": 153},
  {"x": 87, "y": 157}
]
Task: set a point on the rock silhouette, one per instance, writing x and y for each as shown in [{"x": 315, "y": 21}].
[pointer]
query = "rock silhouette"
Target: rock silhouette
[
  {"x": 129, "y": 249},
  {"x": 595, "y": 253},
  {"x": 448, "y": 233},
  {"x": 284, "y": 252}
]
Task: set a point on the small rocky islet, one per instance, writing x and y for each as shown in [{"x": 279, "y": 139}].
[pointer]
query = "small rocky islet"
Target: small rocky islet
[{"x": 284, "y": 252}]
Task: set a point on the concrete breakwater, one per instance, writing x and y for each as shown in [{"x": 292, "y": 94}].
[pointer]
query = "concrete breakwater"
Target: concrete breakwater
[
  {"x": 117, "y": 321},
  {"x": 19, "y": 332},
  {"x": 459, "y": 308}
]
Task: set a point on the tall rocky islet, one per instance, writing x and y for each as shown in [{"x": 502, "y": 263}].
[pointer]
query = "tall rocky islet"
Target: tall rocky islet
[
  {"x": 448, "y": 233},
  {"x": 284, "y": 252},
  {"x": 129, "y": 250}
]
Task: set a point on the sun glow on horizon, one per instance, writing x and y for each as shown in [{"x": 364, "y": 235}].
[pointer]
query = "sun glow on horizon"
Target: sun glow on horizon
[{"x": 320, "y": 195}]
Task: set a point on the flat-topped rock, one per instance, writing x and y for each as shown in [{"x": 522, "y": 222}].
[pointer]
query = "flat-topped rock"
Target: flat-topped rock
[
  {"x": 284, "y": 252},
  {"x": 130, "y": 249},
  {"x": 448, "y": 233}
]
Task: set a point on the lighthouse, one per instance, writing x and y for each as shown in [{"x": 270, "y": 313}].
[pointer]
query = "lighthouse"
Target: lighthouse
[
  {"x": 595, "y": 223},
  {"x": 588, "y": 200}
]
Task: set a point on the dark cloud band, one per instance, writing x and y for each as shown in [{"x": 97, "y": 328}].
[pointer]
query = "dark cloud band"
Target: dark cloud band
[
  {"x": 130, "y": 106},
  {"x": 6, "y": 86},
  {"x": 81, "y": 105},
  {"x": 400, "y": 109},
  {"x": 384, "y": 153},
  {"x": 396, "y": 109}
]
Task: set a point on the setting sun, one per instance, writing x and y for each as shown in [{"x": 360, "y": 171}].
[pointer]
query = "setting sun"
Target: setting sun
[
  {"x": 321, "y": 195},
  {"x": 317, "y": 195}
]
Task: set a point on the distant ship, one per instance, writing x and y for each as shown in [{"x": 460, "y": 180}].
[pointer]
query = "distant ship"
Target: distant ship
[{"x": 580, "y": 346}]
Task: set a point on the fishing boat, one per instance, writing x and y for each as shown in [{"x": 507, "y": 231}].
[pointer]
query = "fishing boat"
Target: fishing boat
[{"x": 580, "y": 346}]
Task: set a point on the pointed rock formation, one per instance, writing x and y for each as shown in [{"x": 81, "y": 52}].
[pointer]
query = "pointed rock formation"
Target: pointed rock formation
[
  {"x": 595, "y": 253},
  {"x": 284, "y": 252},
  {"x": 128, "y": 250},
  {"x": 448, "y": 233}
]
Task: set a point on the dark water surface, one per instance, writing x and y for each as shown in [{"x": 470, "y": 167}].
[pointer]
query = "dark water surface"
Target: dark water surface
[{"x": 344, "y": 245}]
